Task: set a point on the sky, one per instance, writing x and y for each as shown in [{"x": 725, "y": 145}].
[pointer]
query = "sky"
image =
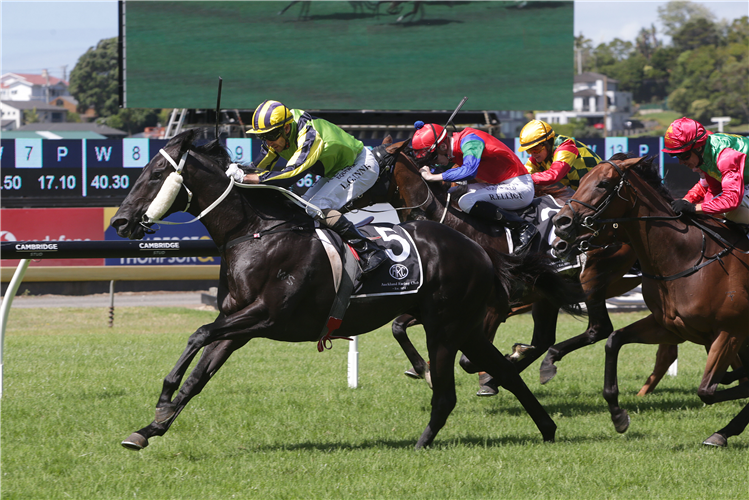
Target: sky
[{"x": 52, "y": 35}]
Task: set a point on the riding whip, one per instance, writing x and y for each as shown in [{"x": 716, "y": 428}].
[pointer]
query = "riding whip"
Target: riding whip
[{"x": 218, "y": 104}]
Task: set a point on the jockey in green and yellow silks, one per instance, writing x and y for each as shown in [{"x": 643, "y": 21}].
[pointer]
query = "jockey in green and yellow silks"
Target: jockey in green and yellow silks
[{"x": 312, "y": 145}]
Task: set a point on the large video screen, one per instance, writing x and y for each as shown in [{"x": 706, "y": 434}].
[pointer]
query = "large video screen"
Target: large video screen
[{"x": 334, "y": 55}]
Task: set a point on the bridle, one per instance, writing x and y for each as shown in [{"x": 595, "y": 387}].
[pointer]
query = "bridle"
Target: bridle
[
  {"x": 590, "y": 222},
  {"x": 171, "y": 187}
]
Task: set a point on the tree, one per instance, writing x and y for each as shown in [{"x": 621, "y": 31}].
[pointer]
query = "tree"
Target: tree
[
  {"x": 674, "y": 15},
  {"x": 94, "y": 80},
  {"x": 695, "y": 34},
  {"x": 30, "y": 116}
]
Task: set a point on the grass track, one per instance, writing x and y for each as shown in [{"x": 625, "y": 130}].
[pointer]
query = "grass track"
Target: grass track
[{"x": 278, "y": 421}]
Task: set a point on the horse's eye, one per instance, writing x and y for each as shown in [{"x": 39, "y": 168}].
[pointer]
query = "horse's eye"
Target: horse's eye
[{"x": 156, "y": 175}]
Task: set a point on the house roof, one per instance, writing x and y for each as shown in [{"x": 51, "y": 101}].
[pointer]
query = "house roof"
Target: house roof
[
  {"x": 59, "y": 128},
  {"x": 38, "y": 105},
  {"x": 32, "y": 79},
  {"x": 28, "y": 134},
  {"x": 585, "y": 93},
  {"x": 592, "y": 77}
]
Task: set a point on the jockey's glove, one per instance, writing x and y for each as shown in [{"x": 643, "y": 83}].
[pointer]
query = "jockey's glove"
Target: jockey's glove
[
  {"x": 683, "y": 207},
  {"x": 235, "y": 172}
]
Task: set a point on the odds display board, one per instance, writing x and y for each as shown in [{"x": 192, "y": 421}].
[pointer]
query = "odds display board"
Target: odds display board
[{"x": 332, "y": 55}]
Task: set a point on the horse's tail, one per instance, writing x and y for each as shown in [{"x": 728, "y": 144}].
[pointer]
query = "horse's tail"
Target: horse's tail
[{"x": 532, "y": 276}]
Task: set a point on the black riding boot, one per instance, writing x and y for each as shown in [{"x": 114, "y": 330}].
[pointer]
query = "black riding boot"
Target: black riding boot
[
  {"x": 524, "y": 229},
  {"x": 370, "y": 254}
]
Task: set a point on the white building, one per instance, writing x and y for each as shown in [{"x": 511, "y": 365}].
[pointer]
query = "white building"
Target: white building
[
  {"x": 12, "y": 113},
  {"x": 28, "y": 87},
  {"x": 594, "y": 103}
]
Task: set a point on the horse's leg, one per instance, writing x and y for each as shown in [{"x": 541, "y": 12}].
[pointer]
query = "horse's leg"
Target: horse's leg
[
  {"x": 599, "y": 327},
  {"x": 602, "y": 278},
  {"x": 504, "y": 372},
  {"x": 723, "y": 351},
  {"x": 664, "y": 357},
  {"x": 735, "y": 427},
  {"x": 420, "y": 368},
  {"x": 238, "y": 327},
  {"x": 644, "y": 331},
  {"x": 172, "y": 381},
  {"x": 212, "y": 358},
  {"x": 545, "y": 316},
  {"x": 288, "y": 6},
  {"x": 443, "y": 392}
]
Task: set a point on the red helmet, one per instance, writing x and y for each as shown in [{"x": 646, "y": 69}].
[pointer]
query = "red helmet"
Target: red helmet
[
  {"x": 683, "y": 135},
  {"x": 426, "y": 138}
]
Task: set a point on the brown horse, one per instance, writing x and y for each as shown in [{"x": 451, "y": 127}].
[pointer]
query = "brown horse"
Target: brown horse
[
  {"x": 601, "y": 278},
  {"x": 695, "y": 277}
]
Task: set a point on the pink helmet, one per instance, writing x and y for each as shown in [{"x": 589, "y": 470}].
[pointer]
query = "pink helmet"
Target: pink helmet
[
  {"x": 683, "y": 135},
  {"x": 426, "y": 138}
]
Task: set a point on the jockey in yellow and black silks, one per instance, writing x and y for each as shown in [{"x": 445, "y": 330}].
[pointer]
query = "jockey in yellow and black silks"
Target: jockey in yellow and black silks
[{"x": 555, "y": 158}]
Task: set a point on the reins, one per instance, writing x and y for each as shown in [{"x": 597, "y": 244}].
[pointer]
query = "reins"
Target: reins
[
  {"x": 589, "y": 222},
  {"x": 169, "y": 190}
]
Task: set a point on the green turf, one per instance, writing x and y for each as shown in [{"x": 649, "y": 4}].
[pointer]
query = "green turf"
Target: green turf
[
  {"x": 278, "y": 421},
  {"x": 501, "y": 56}
]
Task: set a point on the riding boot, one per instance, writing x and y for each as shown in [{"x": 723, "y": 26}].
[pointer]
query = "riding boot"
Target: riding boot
[
  {"x": 370, "y": 254},
  {"x": 524, "y": 230}
]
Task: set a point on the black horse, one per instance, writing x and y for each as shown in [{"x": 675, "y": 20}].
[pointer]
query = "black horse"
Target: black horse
[{"x": 276, "y": 282}]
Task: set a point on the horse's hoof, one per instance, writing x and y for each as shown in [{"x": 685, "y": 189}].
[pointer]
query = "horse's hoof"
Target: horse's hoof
[
  {"x": 163, "y": 414},
  {"x": 547, "y": 371},
  {"x": 621, "y": 421},
  {"x": 487, "y": 386},
  {"x": 135, "y": 442},
  {"x": 519, "y": 351},
  {"x": 428, "y": 378},
  {"x": 716, "y": 440},
  {"x": 411, "y": 373}
]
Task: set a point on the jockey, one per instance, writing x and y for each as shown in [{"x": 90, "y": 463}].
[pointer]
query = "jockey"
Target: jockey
[
  {"x": 720, "y": 160},
  {"x": 503, "y": 183},
  {"x": 312, "y": 145},
  {"x": 555, "y": 158}
]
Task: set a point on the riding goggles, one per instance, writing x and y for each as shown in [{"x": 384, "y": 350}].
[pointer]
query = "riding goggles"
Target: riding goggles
[
  {"x": 683, "y": 156},
  {"x": 536, "y": 149},
  {"x": 270, "y": 136}
]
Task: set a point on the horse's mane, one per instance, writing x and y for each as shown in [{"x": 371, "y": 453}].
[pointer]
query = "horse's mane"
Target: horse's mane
[
  {"x": 649, "y": 172},
  {"x": 215, "y": 151}
]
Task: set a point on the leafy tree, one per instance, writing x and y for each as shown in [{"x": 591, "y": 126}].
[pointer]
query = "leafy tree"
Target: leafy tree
[
  {"x": 646, "y": 42},
  {"x": 94, "y": 80},
  {"x": 133, "y": 120},
  {"x": 695, "y": 34},
  {"x": 674, "y": 15},
  {"x": 30, "y": 116}
]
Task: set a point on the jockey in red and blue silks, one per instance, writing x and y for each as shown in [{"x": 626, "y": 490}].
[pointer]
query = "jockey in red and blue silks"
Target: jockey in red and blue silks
[
  {"x": 720, "y": 159},
  {"x": 502, "y": 182}
]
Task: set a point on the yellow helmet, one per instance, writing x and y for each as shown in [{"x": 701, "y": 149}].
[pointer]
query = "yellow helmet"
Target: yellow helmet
[
  {"x": 269, "y": 116},
  {"x": 535, "y": 132}
]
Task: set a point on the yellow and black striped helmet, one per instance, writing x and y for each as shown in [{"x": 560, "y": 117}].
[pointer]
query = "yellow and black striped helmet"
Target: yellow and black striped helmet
[
  {"x": 535, "y": 132},
  {"x": 269, "y": 116}
]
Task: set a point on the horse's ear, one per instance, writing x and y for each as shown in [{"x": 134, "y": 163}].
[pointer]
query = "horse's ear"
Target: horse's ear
[
  {"x": 387, "y": 140},
  {"x": 180, "y": 143}
]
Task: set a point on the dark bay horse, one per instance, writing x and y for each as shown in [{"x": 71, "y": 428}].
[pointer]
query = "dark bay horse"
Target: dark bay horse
[
  {"x": 276, "y": 282},
  {"x": 601, "y": 278},
  {"x": 695, "y": 277}
]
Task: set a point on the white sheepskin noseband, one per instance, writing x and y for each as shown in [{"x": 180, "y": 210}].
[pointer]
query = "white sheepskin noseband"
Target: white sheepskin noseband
[{"x": 166, "y": 196}]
